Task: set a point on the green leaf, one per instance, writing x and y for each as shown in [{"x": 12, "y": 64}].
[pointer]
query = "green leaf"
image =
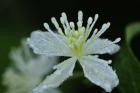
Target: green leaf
[{"x": 127, "y": 65}]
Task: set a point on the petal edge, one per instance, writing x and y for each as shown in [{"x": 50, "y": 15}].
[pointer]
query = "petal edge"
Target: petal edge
[
  {"x": 64, "y": 70},
  {"x": 99, "y": 72}
]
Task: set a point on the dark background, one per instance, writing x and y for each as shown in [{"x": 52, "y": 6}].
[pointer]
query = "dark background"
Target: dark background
[{"x": 20, "y": 17}]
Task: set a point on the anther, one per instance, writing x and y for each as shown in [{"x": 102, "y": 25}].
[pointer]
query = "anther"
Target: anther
[
  {"x": 72, "y": 25},
  {"x": 80, "y": 16}
]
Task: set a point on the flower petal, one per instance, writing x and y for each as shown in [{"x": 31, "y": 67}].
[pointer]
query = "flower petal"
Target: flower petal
[
  {"x": 17, "y": 57},
  {"x": 64, "y": 70},
  {"x": 46, "y": 43},
  {"x": 17, "y": 82},
  {"x": 99, "y": 72},
  {"x": 101, "y": 46},
  {"x": 40, "y": 66}
]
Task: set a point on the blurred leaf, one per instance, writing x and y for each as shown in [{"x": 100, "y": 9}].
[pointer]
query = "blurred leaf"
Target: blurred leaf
[{"x": 127, "y": 65}]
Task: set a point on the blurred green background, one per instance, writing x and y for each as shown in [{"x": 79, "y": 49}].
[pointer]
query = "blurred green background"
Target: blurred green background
[{"x": 18, "y": 18}]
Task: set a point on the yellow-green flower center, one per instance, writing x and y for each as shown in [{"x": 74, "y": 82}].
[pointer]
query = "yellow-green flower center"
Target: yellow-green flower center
[{"x": 76, "y": 39}]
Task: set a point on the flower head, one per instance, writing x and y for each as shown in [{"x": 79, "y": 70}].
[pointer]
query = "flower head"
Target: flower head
[
  {"x": 76, "y": 44},
  {"x": 28, "y": 70}
]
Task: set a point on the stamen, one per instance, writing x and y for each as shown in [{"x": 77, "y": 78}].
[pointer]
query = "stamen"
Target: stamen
[
  {"x": 103, "y": 29},
  {"x": 79, "y": 24},
  {"x": 66, "y": 31},
  {"x": 72, "y": 25},
  {"x": 95, "y": 19},
  {"x": 94, "y": 34},
  {"x": 80, "y": 19},
  {"x": 82, "y": 29},
  {"x": 80, "y": 16},
  {"x": 92, "y": 37},
  {"x": 64, "y": 16},
  {"x": 91, "y": 27},
  {"x": 55, "y": 22},
  {"x": 95, "y": 31},
  {"x": 89, "y": 22},
  {"x": 48, "y": 28},
  {"x": 62, "y": 22},
  {"x": 109, "y": 61},
  {"x": 57, "y": 25},
  {"x": 117, "y": 40}
]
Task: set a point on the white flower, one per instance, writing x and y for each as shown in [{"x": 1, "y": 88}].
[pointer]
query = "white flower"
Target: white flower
[
  {"x": 28, "y": 71},
  {"x": 75, "y": 43}
]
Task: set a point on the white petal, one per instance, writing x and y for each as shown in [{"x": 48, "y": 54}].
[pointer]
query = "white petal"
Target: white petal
[
  {"x": 19, "y": 82},
  {"x": 101, "y": 46},
  {"x": 99, "y": 72},
  {"x": 64, "y": 70},
  {"x": 40, "y": 66},
  {"x": 46, "y": 43},
  {"x": 17, "y": 57},
  {"x": 36, "y": 66}
]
